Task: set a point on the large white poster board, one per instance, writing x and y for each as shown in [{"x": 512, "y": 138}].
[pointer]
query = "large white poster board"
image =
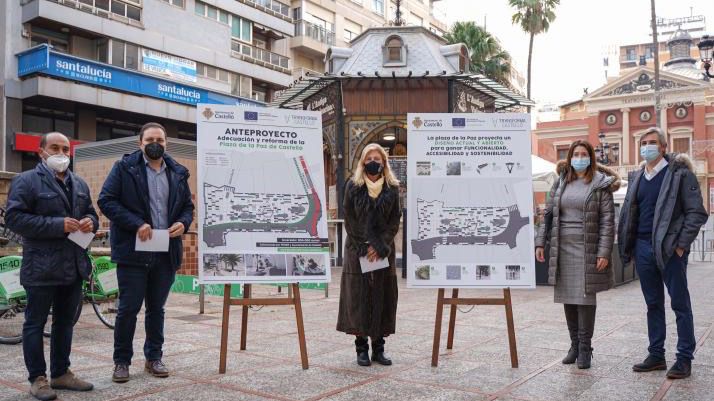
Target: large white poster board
[
  {"x": 261, "y": 196},
  {"x": 470, "y": 201}
]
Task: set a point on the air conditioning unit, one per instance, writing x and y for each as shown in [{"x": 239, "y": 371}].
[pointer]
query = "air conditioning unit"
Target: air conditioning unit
[
  {"x": 86, "y": 8},
  {"x": 102, "y": 13}
]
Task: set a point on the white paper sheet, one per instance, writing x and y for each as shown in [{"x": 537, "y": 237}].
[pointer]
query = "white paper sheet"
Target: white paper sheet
[
  {"x": 10, "y": 281},
  {"x": 108, "y": 280},
  {"x": 81, "y": 239},
  {"x": 159, "y": 242},
  {"x": 368, "y": 266}
]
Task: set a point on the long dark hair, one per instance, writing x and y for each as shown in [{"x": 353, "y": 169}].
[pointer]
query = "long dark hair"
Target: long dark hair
[{"x": 571, "y": 175}]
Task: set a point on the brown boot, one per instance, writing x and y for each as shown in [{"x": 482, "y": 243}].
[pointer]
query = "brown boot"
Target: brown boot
[
  {"x": 69, "y": 381},
  {"x": 121, "y": 373},
  {"x": 41, "y": 390},
  {"x": 156, "y": 368}
]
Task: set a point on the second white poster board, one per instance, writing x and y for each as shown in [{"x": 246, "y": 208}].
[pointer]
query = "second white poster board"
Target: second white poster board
[{"x": 470, "y": 201}]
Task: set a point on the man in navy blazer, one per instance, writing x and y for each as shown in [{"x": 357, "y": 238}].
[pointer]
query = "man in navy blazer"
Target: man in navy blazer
[
  {"x": 146, "y": 190},
  {"x": 44, "y": 206}
]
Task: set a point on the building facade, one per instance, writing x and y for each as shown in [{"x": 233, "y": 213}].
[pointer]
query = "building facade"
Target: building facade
[
  {"x": 614, "y": 117},
  {"x": 642, "y": 52},
  {"x": 98, "y": 69},
  {"x": 320, "y": 24}
]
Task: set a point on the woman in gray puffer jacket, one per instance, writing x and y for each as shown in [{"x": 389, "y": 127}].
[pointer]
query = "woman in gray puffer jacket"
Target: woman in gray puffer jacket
[{"x": 579, "y": 226}]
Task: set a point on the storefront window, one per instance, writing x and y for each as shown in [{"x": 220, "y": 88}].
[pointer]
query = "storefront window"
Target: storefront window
[
  {"x": 33, "y": 124},
  {"x": 132, "y": 56},
  {"x": 42, "y": 124},
  {"x": 117, "y": 53},
  {"x": 125, "y": 55},
  {"x": 102, "y": 50}
]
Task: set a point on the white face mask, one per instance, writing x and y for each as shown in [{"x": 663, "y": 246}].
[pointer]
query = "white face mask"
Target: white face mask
[{"x": 58, "y": 163}]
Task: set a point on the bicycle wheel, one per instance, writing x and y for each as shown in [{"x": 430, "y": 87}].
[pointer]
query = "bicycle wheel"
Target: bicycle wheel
[
  {"x": 106, "y": 307},
  {"x": 11, "y": 320},
  {"x": 47, "y": 331}
]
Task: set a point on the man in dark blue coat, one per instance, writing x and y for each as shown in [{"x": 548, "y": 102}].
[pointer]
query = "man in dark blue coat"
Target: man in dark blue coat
[
  {"x": 660, "y": 218},
  {"x": 146, "y": 190},
  {"x": 44, "y": 205}
]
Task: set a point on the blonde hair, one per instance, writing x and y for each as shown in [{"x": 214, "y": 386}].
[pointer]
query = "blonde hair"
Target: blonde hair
[{"x": 359, "y": 175}]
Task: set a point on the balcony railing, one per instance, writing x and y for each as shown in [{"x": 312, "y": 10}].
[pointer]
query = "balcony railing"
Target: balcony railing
[
  {"x": 102, "y": 9},
  {"x": 700, "y": 168},
  {"x": 316, "y": 32},
  {"x": 270, "y": 6},
  {"x": 260, "y": 56}
]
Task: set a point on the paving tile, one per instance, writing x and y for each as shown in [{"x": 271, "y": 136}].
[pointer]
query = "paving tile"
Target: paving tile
[
  {"x": 290, "y": 381},
  {"x": 203, "y": 392},
  {"x": 11, "y": 394},
  {"x": 390, "y": 390},
  {"x": 679, "y": 393},
  {"x": 557, "y": 386},
  {"x": 607, "y": 389}
]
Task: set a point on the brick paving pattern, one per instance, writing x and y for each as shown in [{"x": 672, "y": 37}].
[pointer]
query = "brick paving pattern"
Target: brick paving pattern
[{"x": 478, "y": 368}]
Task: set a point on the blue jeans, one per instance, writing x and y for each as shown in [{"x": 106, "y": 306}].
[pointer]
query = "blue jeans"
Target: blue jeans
[
  {"x": 64, "y": 300},
  {"x": 674, "y": 277},
  {"x": 137, "y": 285}
]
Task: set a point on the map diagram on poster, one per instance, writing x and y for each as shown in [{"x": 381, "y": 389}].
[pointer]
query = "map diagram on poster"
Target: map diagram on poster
[
  {"x": 470, "y": 201},
  {"x": 261, "y": 196},
  {"x": 240, "y": 202}
]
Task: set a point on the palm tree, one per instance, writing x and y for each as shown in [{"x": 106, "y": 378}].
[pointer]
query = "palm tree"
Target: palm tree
[
  {"x": 230, "y": 259},
  {"x": 534, "y": 17},
  {"x": 487, "y": 56}
]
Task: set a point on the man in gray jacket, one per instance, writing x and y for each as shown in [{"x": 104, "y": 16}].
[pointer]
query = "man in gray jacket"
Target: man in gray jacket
[{"x": 660, "y": 218}]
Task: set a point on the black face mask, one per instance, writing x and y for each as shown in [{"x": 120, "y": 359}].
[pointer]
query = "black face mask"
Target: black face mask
[
  {"x": 373, "y": 167},
  {"x": 154, "y": 151}
]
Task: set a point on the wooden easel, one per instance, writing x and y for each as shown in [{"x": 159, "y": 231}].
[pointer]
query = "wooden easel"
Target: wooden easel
[
  {"x": 245, "y": 302},
  {"x": 454, "y": 301}
]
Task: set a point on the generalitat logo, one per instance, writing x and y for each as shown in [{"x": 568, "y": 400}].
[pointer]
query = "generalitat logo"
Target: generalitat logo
[
  {"x": 458, "y": 122},
  {"x": 251, "y": 116},
  {"x": 417, "y": 123},
  {"x": 208, "y": 113}
]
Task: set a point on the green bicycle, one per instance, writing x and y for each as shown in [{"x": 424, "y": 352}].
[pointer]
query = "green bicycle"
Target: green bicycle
[{"x": 101, "y": 291}]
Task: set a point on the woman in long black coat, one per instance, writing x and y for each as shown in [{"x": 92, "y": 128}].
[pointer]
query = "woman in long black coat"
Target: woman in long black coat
[{"x": 368, "y": 302}]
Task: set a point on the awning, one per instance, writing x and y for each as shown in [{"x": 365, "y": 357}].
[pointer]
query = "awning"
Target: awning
[{"x": 303, "y": 88}]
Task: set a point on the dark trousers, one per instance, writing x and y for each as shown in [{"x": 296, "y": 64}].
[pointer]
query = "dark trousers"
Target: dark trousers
[
  {"x": 137, "y": 285},
  {"x": 674, "y": 276},
  {"x": 64, "y": 301}
]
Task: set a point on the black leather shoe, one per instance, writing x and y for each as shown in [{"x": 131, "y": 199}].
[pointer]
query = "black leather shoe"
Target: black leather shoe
[
  {"x": 363, "y": 358},
  {"x": 585, "y": 355},
  {"x": 681, "y": 369},
  {"x": 650, "y": 364},
  {"x": 572, "y": 356},
  {"x": 381, "y": 358}
]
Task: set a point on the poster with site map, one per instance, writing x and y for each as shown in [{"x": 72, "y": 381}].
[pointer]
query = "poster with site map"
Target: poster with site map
[
  {"x": 470, "y": 201},
  {"x": 261, "y": 196}
]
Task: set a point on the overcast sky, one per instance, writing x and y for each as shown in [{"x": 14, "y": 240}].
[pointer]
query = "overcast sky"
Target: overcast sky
[{"x": 569, "y": 57}]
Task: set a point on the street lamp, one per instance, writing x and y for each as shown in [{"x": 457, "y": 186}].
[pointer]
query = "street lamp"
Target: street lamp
[
  {"x": 602, "y": 150},
  {"x": 706, "y": 44}
]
